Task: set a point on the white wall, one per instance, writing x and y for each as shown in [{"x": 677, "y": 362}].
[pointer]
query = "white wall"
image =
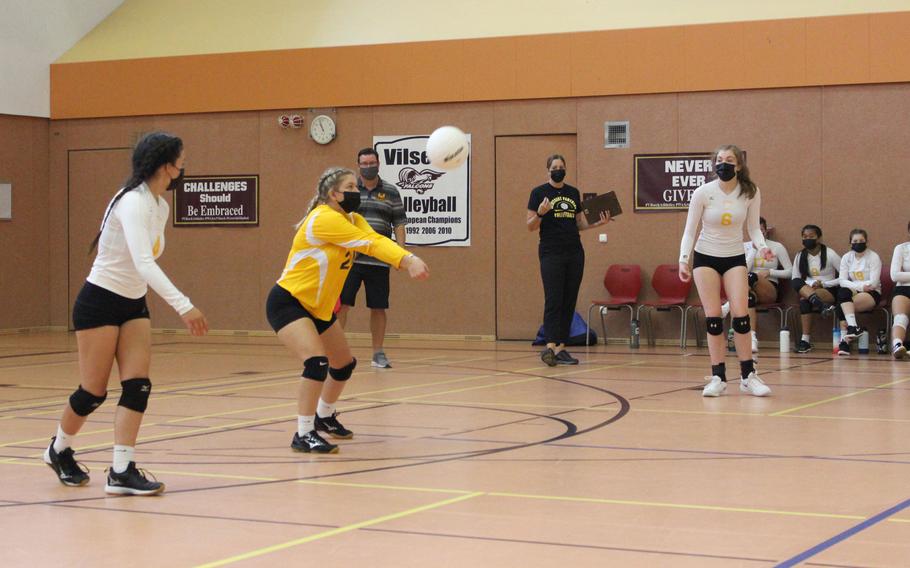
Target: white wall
[{"x": 33, "y": 34}]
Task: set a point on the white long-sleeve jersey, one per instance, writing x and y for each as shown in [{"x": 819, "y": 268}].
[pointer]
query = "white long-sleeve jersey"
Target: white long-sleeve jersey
[
  {"x": 131, "y": 240},
  {"x": 858, "y": 271},
  {"x": 778, "y": 265},
  {"x": 827, "y": 275},
  {"x": 722, "y": 217},
  {"x": 900, "y": 264}
]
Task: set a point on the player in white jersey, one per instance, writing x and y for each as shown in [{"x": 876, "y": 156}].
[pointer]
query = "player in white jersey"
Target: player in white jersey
[
  {"x": 723, "y": 206},
  {"x": 815, "y": 279},
  {"x": 900, "y": 303},
  {"x": 111, "y": 318},
  {"x": 860, "y": 286}
]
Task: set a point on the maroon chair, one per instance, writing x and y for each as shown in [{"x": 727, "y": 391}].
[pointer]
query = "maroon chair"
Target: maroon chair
[
  {"x": 623, "y": 282},
  {"x": 672, "y": 294},
  {"x": 884, "y": 304}
]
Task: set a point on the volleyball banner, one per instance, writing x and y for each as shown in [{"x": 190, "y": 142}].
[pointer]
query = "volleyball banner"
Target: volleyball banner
[
  {"x": 665, "y": 182},
  {"x": 437, "y": 202},
  {"x": 217, "y": 200}
]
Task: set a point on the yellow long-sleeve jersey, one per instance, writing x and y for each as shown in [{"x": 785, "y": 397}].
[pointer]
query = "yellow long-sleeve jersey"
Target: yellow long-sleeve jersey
[{"x": 322, "y": 255}]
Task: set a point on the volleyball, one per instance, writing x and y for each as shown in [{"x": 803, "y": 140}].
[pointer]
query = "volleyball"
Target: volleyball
[{"x": 448, "y": 148}]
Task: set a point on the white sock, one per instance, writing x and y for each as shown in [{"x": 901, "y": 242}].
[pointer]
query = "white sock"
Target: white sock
[
  {"x": 63, "y": 440},
  {"x": 305, "y": 424},
  {"x": 851, "y": 319},
  {"x": 324, "y": 409},
  {"x": 123, "y": 455},
  {"x": 806, "y": 337},
  {"x": 894, "y": 343},
  {"x": 755, "y": 334}
]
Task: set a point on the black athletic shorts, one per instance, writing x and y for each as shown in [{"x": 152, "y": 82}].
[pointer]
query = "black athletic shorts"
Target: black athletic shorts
[
  {"x": 876, "y": 295},
  {"x": 901, "y": 291},
  {"x": 96, "y": 307},
  {"x": 281, "y": 308},
  {"x": 720, "y": 264},
  {"x": 376, "y": 281}
]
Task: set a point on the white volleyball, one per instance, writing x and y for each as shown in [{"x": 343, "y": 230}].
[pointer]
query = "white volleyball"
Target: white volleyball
[{"x": 448, "y": 148}]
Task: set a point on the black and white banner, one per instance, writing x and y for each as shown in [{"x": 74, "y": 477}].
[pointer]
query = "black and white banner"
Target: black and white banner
[{"x": 437, "y": 202}]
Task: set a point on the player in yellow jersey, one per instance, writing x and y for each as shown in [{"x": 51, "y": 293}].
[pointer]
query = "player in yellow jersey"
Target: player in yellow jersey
[{"x": 300, "y": 306}]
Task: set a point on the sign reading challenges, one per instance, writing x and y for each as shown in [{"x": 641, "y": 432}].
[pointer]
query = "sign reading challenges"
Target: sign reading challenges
[
  {"x": 437, "y": 202},
  {"x": 217, "y": 200},
  {"x": 665, "y": 182}
]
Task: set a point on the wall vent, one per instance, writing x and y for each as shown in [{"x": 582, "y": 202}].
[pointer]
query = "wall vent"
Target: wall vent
[{"x": 616, "y": 134}]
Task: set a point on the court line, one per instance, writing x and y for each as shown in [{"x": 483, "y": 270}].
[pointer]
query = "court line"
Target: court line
[
  {"x": 839, "y": 397},
  {"x": 341, "y": 530}
]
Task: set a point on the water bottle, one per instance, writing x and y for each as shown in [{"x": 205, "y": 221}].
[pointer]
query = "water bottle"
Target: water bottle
[
  {"x": 635, "y": 331},
  {"x": 785, "y": 340},
  {"x": 864, "y": 343},
  {"x": 835, "y": 335},
  {"x": 881, "y": 342},
  {"x": 731, "y": 344}
]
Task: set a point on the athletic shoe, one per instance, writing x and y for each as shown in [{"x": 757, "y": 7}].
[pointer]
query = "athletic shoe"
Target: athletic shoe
[
  {"x": 563, "y": 358},
  {"x": 724, "y": 310},
  {"x": 70, "y": 472},
  {"x": 843, "y": 349},
  {"x": 828, "y": 310},
  {"x": 331, "y": 426},
  {"x": 133, "y": 481},
  {"x": 852, "y": 332},
  {"x": 899, "y": 352},
  {"x": 803, "y": 346},
  {"x": 754, "y": 342},
  {"x": 548, "y": 357},
  {"x": 754, "y": 386},
  {"x": 380, "y": 360},
  {"x": 312, "y": 442},
  {"x": 715, "y": 386}
]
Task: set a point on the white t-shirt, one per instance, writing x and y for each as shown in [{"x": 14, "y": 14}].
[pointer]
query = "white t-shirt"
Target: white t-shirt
[
  {"x": 900, "y": 264},
  {"x": 856, "y": 272},
  {"x": 827, "y": 275},
  {"x": 778, "y": 265},
  {"x": 722, "y": 217},
  {"x": 131, "y": 239}
]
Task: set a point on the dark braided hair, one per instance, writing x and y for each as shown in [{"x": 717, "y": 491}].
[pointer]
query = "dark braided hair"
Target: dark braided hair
[
  {"x": 804, "y": 257},
  {"x": 152, "y": 151}
]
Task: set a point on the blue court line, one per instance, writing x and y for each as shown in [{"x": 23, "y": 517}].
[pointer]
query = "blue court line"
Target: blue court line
[{"x": 844, "y": 535}]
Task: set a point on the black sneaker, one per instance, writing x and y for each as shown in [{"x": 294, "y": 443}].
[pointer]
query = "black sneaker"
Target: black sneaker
[
  {"x": 333, "y": 427},
  {"x": 133, "y": 481},
  {"x": 312, "y": 442},
  {"x": 803, "y": 346},
  {"x": 70, "y": 472},
  {"x": 843, "y": 349},
  {"x": 548, "y": 357},
  {"x": 852, "y": 332},
  {"x": 563, "y": 358},
  {"x": 827, "y": 310}
]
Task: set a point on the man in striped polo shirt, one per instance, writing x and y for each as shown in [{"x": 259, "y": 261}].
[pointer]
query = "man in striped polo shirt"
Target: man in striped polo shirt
[{"x": 380, "y": 204}]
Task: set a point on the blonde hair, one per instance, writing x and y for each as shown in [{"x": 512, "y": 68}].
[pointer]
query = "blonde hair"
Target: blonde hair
[{"x": 328, "y": 181}]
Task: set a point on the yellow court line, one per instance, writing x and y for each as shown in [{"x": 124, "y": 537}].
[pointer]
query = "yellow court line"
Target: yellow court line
[
  {"x": 340, "y": 530},
  {"x": 382, "y": 486},
  {"x": 839, "y": 397}
]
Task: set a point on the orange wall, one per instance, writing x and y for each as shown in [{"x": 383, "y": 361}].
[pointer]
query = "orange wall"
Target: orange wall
[{"x": 868, "y": 48}]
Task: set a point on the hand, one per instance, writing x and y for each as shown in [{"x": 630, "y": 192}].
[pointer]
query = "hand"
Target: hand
[
  {"x": 544, "y": 207},
  {"x": 816, "y": 285},
  {"x": 868, "y": 288},
  {"x": 604, "y": 218},
  {"x": 763, "y": 274},
  {"x": 417, "y": 269},
  {"x": 685, "y": 273},
  {"x": 195, "y": 322},
  {"x": 766, "y": 253}
]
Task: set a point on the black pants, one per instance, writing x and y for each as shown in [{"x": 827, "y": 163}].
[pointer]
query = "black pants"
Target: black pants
[{"x": 561, "y": 273}]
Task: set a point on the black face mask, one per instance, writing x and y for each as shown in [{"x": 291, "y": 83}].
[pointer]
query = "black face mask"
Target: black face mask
[
  {"x": 175, "y": 183},
  {"x": 858, "y": 247},
  {"x": 810, "y": 243},
  {"x": 351, "y": 201},
  {"x": 558, "y": 175},
  {"x": 369, "y": 172},
  {"x": 725, "y": 171}
]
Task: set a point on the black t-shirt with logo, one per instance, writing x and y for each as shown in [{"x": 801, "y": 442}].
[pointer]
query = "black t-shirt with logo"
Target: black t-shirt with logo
[{"x": 558, "y": 229}]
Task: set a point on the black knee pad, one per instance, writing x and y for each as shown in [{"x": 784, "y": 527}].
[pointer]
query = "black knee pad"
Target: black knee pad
[
  {"x": 84, "y": 403},
  {"x": 844, "y": 295},
  {"x": 742, "y": 325},
  {"x": 753, "y": 278},
  {"x": 135, "y": 395},
  {"x": 316, "y": 368},
  {"x": 715, "y": 326},
  {"x": 753, "y": 299},
  {"x": 805, "y": 306},
  {"x": 345, "y": 372}
]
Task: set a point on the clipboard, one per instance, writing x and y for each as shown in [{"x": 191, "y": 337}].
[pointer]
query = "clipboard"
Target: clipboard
[{"x": 606, "y": 202}]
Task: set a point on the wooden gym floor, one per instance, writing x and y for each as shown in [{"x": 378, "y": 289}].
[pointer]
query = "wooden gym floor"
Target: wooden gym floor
[{"x": 468, "y": 454}]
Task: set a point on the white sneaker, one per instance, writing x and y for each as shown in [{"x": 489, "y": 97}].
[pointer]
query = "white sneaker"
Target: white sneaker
[
  {"x": 725, "y": 309},
  {"x": 900, "y": 351},
  {"x": 754, "y": 342},
  {"x": 754, "y": 386},
  {"x": 715, "y": 386}
]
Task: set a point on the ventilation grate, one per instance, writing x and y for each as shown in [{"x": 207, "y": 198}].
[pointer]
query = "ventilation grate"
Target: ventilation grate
[{"x": 616, "y": 134}]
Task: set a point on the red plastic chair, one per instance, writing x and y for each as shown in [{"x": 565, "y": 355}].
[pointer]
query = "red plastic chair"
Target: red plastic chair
[
  {"x": 672, "y": 294},
  {"x": 623, "y": 282}
]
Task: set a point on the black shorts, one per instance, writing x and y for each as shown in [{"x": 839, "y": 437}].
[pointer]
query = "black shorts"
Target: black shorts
[
  {"x": 720, "y": 264},
  {"x": 877, "y": 296},
  {"x": 281, "y": 308},
  {"x": 901, "y": 291},
  {"x": 376, "y": 281},
  {"x": 96, "y": 307}
]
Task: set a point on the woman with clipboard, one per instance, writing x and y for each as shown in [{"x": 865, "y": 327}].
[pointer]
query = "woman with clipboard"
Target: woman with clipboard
[{"x": 555, "y": 209}]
